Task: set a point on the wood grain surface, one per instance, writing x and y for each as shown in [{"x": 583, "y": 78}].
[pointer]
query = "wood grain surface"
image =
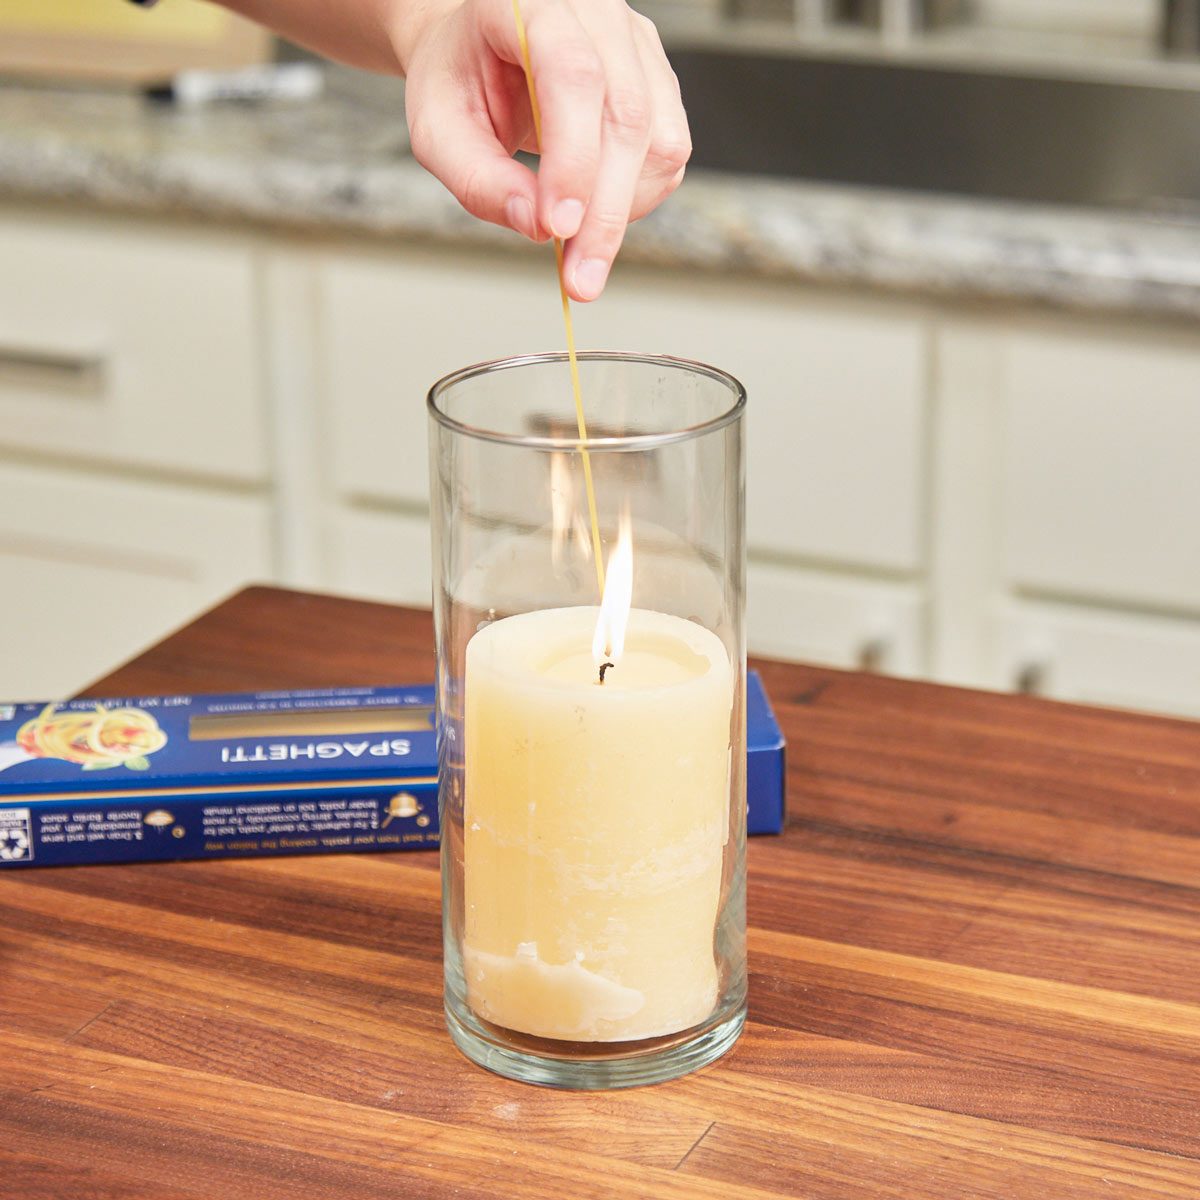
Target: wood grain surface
[{"x": 974, "y": 955}]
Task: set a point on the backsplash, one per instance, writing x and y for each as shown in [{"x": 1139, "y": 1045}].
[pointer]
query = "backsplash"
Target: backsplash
[{"x": 1120, "y": 17}]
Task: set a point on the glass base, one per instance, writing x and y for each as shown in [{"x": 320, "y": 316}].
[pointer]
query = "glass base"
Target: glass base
[{"x": 592, "y": 1066}]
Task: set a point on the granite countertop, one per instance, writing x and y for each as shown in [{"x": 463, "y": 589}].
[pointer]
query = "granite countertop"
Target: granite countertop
[{"x": 341, "y": 164}]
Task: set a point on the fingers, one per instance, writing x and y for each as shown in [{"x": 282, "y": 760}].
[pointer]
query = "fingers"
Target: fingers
[
  {"x": 614, "y": 134},
  {"x": 628, "y": 121},
  {"x": 451, "y": 141},
  {"x": 671, "y": 140},
  {"x": 645, "y": 144},
  {"x": 569, "y": 77}
]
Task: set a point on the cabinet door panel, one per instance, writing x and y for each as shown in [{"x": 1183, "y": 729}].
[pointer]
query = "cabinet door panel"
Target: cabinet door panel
[
  {"x": 836, "y": 417},
  {"x": 819, "y": 617},
  {"x": 123, "y": 344},
  {"x": 380, "y": 556},
  {"x": 391, "y": 327},
  {"x": 1073, "y": 653},
  {"x": 1101, "y": 483},
  {"x": 93, "y": 570}
]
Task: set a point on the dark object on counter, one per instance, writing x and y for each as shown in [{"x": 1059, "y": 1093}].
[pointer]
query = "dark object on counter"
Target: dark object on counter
[{"x": 294, "y": 81}]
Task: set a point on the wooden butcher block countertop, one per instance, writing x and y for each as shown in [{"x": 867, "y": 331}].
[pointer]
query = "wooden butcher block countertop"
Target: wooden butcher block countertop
[{"x": 974, "y": 972}]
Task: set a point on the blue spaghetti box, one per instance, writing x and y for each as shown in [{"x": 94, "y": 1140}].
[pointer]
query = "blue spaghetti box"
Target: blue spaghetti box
[
  {"x": 299, "y": 772},
  {"x": 765, "y": 762},
  {"x": 162, "y": 777}
]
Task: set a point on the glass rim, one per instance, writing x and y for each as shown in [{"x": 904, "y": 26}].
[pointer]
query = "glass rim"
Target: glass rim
[{"x": 634, "y": 441}]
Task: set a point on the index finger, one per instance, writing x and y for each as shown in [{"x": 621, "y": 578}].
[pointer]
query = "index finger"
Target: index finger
[{"x": 569, "y": 80}]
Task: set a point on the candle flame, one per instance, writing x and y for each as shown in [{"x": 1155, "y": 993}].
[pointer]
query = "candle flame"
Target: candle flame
[{"x": 609, "y": 641}]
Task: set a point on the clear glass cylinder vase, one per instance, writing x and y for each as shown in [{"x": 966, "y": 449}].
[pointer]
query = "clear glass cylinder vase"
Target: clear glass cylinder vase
[{"x": 592, "y": 747}]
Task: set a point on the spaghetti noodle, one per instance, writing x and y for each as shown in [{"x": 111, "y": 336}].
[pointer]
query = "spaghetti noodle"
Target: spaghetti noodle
[{"x": 95, "y": 739}]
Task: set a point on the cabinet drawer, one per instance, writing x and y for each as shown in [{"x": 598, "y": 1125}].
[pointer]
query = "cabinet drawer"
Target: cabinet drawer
[
  {"x": 1101, "y": 486},
  {"x": 380, "y": 556},
  {"x": 836, "y": 423},
  {"x": 819, "y": 617},
  {"x": 1069, "y": 652},
  {"x": 129, "y": 345},
  {"x": 94, "y": 570}
]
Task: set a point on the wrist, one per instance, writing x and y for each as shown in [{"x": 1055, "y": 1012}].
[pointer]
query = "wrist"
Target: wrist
[{"x": 408, "y": 22}]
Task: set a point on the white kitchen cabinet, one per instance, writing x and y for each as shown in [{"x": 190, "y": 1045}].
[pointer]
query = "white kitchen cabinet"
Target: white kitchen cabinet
[
  {"x": 817, "y": 616},
  {"x": 836, "y": 427},
  {"x": 130, "y": 343},
  {"x": 1101, "y": 463},
  {"x": 379, "y": 555},
  {"x": 1069, "y": 652},
  {"x": 965, "y": 576},
  {"x": 981, "y": 495},
  {"x": 1066, "y": 498},
  {"x": 391, "y": 325},
  {"x": 836, "y": 424},
  {"x": 94, "y": 569}
]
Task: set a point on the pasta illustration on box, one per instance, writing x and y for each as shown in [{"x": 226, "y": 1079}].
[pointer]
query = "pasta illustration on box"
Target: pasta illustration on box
[{"x": 97, "y": 740}]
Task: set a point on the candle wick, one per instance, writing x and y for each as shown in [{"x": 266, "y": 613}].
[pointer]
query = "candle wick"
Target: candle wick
[{"x": 604, "y": 667}]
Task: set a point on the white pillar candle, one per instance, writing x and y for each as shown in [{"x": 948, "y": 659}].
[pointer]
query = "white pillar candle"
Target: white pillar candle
[{"x": 595, "y": 817}]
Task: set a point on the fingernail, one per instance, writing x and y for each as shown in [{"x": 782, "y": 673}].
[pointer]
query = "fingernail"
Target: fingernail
[
  {"x": 519, "y": 214},
  {"x": 566, "y": 218},
  {"x": 589, "y": 278}
]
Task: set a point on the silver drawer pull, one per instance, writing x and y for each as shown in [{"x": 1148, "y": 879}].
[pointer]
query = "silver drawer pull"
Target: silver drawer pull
[
  {"x": 873, "y": 654},
  {"x": 1031, "y": 678},
  {"x": 75, "y": 371}
]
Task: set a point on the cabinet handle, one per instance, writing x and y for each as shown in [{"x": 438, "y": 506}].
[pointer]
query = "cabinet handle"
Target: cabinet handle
[
  {"x": 66, "y": 370},
  {"x": 872, "y": 654},
  {"x": 1031, "y": 678}
]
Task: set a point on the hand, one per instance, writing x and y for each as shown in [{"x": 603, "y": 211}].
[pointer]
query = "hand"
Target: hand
[{"x": 616, "y": 137}]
